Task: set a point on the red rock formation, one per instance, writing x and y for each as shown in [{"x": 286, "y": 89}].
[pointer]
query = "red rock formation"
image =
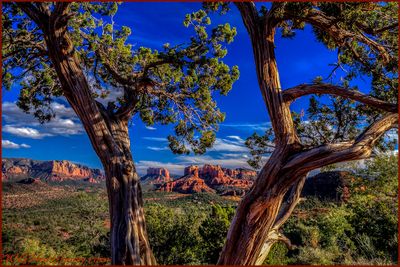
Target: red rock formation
[
  {"x": 241, "y": 173},
  {"x": 246, "y": 174},
  {"x": 209, "y": 172},
  {"x": 191, "y": 170},
  {"x": 91, "y": 180},
  {"x": 156, "y": 176},
  {"x": 186, "y": 184},
  {"x": 232, "y": 173},
  {"x": 16, "y": 170},
  {"x": 67, "y": 169},
  {"x": 210, "y": 178},
  {"x": 159, "y": 172},
  {"x": 56, "y": 171},
  {"x": 13, "y": 171}
]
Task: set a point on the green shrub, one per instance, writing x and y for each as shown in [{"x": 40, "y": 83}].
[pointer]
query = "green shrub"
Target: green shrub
[{"x": 213, "y": 231}]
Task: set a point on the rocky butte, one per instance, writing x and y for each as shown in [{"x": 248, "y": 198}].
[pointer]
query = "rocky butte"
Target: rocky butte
[
  {"x": 156, "y": 176},
  {"x": 51, "y": 171},
  {"x": 211, "y": 178}
]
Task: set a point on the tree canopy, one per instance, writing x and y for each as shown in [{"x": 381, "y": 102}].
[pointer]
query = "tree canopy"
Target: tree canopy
[
  {"x": 364, "y": 36},
  {"x": 175, "y": 85}
]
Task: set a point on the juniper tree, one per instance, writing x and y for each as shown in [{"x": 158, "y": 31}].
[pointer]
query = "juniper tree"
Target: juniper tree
[
  {"x": 75, "y": 50},
  {"x": 346, "y": 127}
]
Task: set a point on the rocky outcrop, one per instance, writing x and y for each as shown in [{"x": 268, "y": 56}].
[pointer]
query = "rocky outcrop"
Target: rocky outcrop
[
  {"x": 91, "y": 180},
  {"x": 245, "y": 174},
  {"x": 191, "y": 170},
  {"x": 158, "y": 172},
  {"x": 15, "y": 170},
  {"x": 187, "y": 184},
  {"x": 212, "y": 178},
  {"x": 156, "y": 176},
  {"x": 209, "y": 172},
  {"x": 217, "y": 171},
  {"x": 52, "y": 171},
  {"x": 332, "y": 185}
]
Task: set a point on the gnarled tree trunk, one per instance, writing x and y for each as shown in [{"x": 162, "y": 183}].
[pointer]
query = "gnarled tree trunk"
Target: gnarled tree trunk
[
  {"x": 129, "y": 242},
  {"x": 109, "y": 137},
  {"x": 255, "y": 227}
]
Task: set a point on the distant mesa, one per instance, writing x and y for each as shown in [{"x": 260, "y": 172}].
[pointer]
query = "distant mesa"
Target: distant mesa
[
  {"x": 211, "y": 178},
  {"x": 20, "y": 169},
  {"x": 333, "y": 185},
  {"x": 187, "y": 185},
  {"x": 156, "y": 176}
]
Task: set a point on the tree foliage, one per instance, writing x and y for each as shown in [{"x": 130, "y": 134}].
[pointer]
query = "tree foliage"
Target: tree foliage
[
  {"x": 176, "y": 85},
  {"x": 366, "y": 47}
]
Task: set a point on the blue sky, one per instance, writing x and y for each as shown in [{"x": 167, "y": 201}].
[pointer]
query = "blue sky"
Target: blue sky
[{"x": 300, "y": 60}]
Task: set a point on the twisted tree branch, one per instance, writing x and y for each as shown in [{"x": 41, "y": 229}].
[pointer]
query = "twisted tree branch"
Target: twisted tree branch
[
  {"x": 308, "y": 89},
  {"x": 359, "y": 148}
]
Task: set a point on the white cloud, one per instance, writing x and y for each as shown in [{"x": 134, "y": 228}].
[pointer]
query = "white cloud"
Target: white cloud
[
  {"x": 158, "y": 139},
  {"x": 112, "y": 96},
  {"x": 63, "y": 111},
  {"x": 229, "y": 145},
  {"x": 235, "y": 137},
  {"x": 24, "y": 132},
  {"x": 26, "y": 125},
  {"x": 178, "y": 167},
  {"x": 230, "y": 155},
  {"x": 173, "y": 168},
  {"x": 12, "y": 145},
  {"x": 249, "y": 126},
  {"x": 234, "y": 161},
  {"x": 220, "y": 144},
  {"x": 151, "y": 128},
  {"x": 64, "y": 127},
  {"x": 157, "y": 148},
  {"x": 228, "y": 160},
  {"x": 13, "y": 114}
]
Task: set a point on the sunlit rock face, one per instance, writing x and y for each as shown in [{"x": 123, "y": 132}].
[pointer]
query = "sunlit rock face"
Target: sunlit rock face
[
  {"x": 211, "y": 178},
  {"x": 53, "y": 170},
  {"x": 156, "y": 176}
]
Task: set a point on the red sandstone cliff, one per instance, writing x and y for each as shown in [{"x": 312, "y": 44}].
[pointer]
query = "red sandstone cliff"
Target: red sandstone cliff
[
  {"x": 211, "y": 178},
  {"x": 55, "y": 171},
  {"x": 186, "y": 184},
  {"x": 156, "y": 176}
]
